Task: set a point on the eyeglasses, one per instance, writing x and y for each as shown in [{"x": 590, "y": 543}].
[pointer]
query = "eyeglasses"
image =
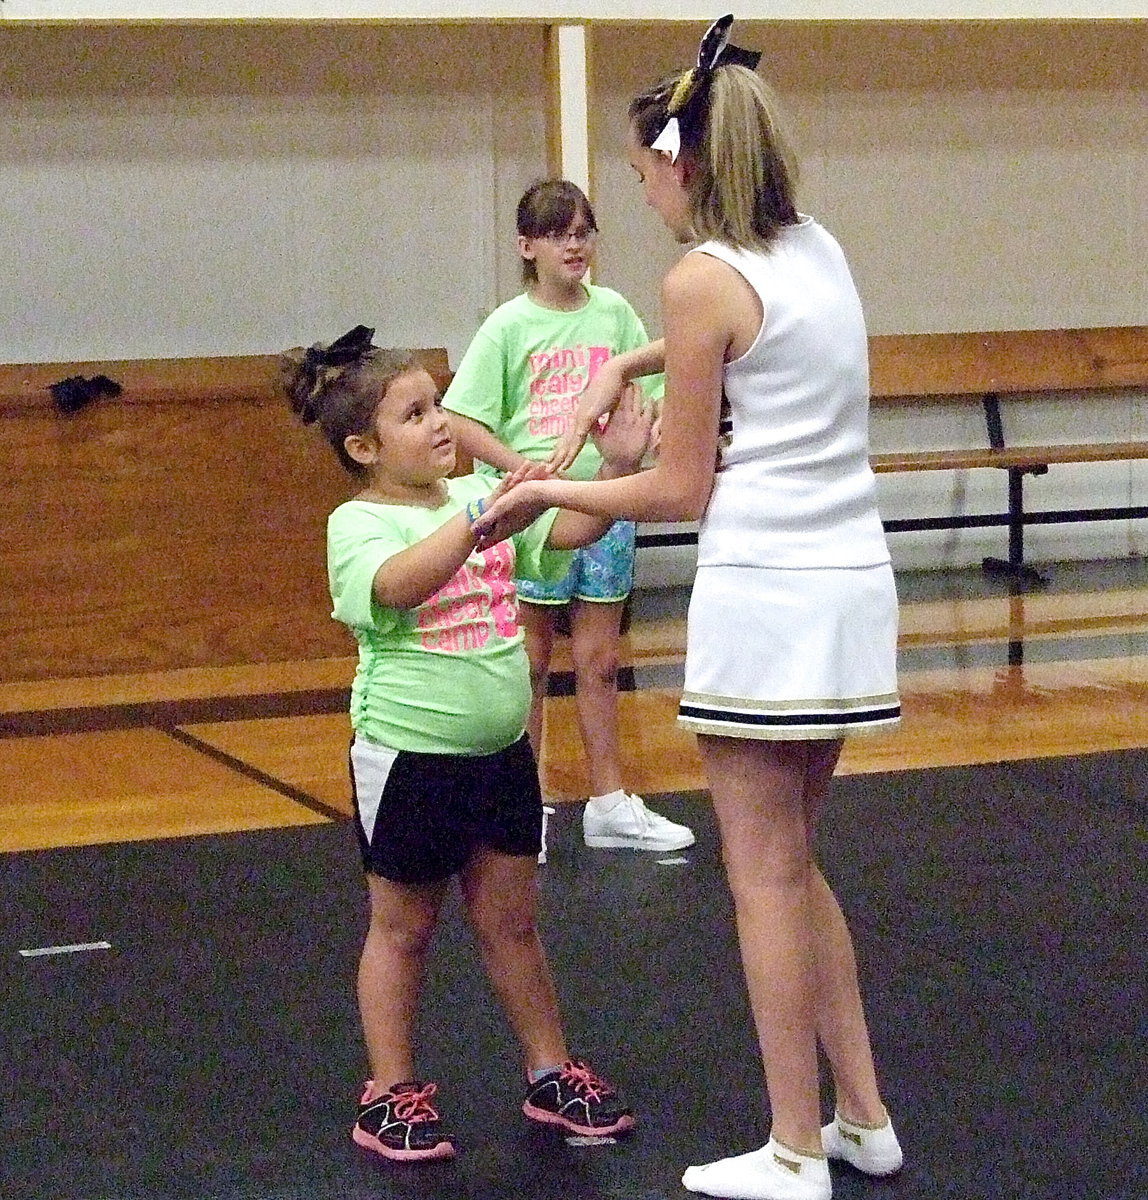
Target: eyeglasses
[{"x": 579, "y": 236}]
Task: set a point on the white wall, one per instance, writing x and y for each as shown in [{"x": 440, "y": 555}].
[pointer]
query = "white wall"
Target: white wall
[
  {"x": 979, "y": 177},
  {"x": 193, "y": 189},
  {"x": 180, "y": 191}
]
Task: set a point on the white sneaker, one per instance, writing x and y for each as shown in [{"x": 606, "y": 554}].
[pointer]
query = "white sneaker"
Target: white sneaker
[
  {"x": 547, "y": 813},
  {"x": 621, "y": 821},
  {"x": 772, "y": 1173},
  {"x": 875, "y": 1151}
]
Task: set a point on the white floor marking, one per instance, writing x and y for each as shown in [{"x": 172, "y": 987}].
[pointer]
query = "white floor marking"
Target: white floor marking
[
  {"x": 672, "y": 862},
  {"x": 591, "y": 1141},
  {"x": 75, "y": 948}
]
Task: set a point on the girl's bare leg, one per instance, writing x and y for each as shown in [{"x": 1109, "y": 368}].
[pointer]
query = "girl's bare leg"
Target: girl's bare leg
[
  {"x": 800, "y": 966},
  {"x": 501, "y": 896},
  {"x": 403, "y": 917},
  {"x": 841, "y": 1025},
  {"x": 595, "y": 631},
  {"x": 759, "y": 790},
  {"x": 537, "y": 621}
]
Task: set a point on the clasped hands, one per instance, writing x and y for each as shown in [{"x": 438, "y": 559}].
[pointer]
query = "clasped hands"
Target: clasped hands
[{"x": 524, "y": 494}]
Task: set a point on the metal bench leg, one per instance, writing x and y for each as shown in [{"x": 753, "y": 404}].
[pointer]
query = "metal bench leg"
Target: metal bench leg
[
  {"x": 1014, "y": 567},
  {"x": 1016, "y": 626}
]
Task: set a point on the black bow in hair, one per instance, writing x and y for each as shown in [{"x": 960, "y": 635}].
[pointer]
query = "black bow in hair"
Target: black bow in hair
[
  {"x": 343, "y": 350},
  {"x": 691, "y": 90},
  {"x": 716, "y": 50}
]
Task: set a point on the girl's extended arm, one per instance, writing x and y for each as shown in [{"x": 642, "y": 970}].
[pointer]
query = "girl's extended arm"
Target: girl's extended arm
[
  {"x": 476, "y": 441},
  {"x": 704, "y": 302},
  {"x": 600, "y": 396},
  {"x": 408, "y": 578}
]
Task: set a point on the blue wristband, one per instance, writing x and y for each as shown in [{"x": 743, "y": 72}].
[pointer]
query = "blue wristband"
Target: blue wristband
[{"x": 475, "y": 509}]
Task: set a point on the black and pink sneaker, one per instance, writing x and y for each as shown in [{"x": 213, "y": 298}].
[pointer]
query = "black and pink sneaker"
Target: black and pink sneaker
[
  {"x": 577, "y": 1099},
  {"x": 402, "y": 1123}
]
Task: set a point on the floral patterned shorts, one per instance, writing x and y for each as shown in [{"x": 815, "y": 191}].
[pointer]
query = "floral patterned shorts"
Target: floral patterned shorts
[{"x": 602, "y": 572}]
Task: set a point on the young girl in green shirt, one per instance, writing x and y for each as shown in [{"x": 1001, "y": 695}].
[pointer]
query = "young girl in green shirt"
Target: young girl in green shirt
[
  {"x": 513, "y": 397},
  {"x": 443, "y": 780}
]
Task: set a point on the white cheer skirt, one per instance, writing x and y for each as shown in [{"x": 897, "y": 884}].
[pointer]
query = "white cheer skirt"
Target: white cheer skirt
[{"x": 788, "y": 654}]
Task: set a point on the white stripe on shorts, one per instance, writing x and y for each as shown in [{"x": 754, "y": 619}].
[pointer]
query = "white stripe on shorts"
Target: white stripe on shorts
[{"x": 370, "y": 766}]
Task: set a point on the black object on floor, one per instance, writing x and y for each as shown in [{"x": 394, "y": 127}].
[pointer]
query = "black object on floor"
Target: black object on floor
[
  {"x": 76, "y": 392},
  {"x": 213, "y": 1051}
]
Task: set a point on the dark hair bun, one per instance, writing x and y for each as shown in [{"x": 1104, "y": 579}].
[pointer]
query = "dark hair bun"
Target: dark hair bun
[{"x": 307, "y": 374}]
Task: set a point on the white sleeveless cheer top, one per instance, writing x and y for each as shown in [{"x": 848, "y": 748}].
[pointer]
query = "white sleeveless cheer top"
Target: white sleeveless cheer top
[{"x": 794, "y": 487}]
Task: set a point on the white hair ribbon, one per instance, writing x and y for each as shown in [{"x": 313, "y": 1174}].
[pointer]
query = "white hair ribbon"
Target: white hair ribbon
[{"x": 670, "y": 139}]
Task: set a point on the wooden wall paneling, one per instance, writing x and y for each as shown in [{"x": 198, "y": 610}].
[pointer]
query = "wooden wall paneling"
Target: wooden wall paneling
[
  {"x": 143, "y": 537},
  {"x": 180, "y": 524}
]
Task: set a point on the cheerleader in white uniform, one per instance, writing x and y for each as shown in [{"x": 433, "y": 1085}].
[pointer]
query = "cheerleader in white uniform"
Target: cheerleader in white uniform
[{"x": 792, "y": 627}]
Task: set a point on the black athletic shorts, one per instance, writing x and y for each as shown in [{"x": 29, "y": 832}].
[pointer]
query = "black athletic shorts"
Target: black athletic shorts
[{"x": 419, "y": 816}]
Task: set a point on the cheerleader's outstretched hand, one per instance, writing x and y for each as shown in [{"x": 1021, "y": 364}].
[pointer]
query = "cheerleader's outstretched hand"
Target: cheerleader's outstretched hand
[
  {"x": 598, "y": 398},
  {"x": 625, "y": 438},
  {"x": 527, "y": 493}
]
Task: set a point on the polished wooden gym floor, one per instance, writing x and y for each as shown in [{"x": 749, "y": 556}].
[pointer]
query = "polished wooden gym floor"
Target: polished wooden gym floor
[
  {"x": 191, "y": 827},
  {"x": 987, "y": 675}
]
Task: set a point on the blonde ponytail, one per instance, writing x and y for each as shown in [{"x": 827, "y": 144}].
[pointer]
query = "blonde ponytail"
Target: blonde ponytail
[{"x": 742, "y": 175}]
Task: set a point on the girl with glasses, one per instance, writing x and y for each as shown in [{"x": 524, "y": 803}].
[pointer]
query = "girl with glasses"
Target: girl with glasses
[{"x": 513, "y": 397}]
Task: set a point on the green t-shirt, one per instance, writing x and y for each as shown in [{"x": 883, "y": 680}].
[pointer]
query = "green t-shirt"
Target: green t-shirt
[
  {"x": 449, "y": 676},
  {"x": 523, "y": 373}
]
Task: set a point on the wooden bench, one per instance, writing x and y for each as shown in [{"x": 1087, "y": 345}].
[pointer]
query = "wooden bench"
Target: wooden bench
[
  {"x": 909, "y": 370},
  {"x": 988, "y": 368},
  {"x": 208, "y": 380}
]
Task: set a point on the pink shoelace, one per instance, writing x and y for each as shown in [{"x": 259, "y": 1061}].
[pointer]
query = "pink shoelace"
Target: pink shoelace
[
  {"x": 585, "y": 1081},
  {"x": 415, "y": 1106}
]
